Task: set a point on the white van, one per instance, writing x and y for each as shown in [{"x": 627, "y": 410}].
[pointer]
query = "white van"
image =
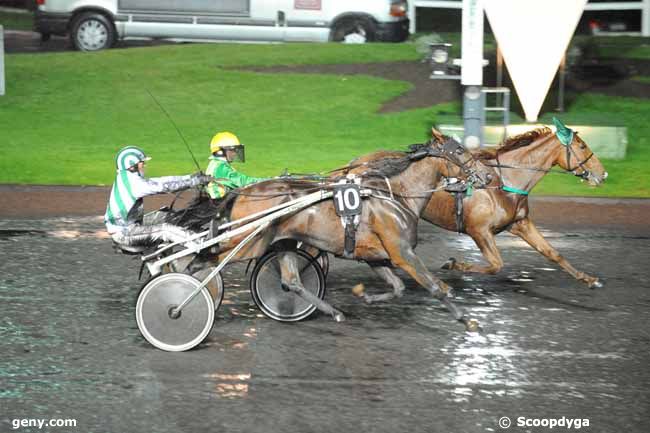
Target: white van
[{"x": 97, "y": 24}]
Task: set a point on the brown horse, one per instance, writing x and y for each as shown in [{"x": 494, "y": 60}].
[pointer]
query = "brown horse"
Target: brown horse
[
  {"x": 386, "y": 233},
  {"x": 519, "y": 164}
]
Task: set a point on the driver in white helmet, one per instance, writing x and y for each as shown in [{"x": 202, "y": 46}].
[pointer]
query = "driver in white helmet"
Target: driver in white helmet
[{"x": 125, "y": 210}]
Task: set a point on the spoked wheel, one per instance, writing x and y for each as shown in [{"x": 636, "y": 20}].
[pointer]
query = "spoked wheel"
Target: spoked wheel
[
  {"x": 214, "y": 286},
  {"x": 321, "y": 257},
  {"x": 279, "y": 303},
  {"x": 155, "y": 318},
  {"x": 323, "y": 260}
]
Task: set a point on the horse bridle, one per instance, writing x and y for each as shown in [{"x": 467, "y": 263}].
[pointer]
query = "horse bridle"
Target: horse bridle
[
  {"x": 581, "y": 164},
  {"x": 584, "y": 174},
  {"x": 451, "y": 150}
]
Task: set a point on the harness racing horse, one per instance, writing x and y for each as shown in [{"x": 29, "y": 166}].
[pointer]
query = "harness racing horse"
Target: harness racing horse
[
  {"x": 519, "y": 164},
  {"x": 386, "y": 233}
]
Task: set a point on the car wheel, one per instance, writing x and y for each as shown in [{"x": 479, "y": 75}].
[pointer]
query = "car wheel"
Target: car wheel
[
  {"x": 92, "y": 32},
  {"x": 355, "y": 30}
]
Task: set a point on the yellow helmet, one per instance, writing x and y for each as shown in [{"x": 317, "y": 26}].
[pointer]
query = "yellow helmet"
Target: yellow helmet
[{"x": 223, "y": 139}]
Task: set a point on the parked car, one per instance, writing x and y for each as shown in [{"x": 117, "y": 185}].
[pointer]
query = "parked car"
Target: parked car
[{"x": 97, "y": 24}]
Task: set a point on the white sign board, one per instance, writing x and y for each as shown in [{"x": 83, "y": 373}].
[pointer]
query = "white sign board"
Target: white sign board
[
  {"x": 533, "y": 36},
  {"x": 472, "y": 43}
]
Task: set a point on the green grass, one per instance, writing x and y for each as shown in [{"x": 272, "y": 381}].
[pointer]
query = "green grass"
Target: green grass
[
  {"x": 16, "y": 20},
  {"x": 641, "y": 79},
  {"x": 66, "y": 114},
  {"x": 631, "y": 47}
]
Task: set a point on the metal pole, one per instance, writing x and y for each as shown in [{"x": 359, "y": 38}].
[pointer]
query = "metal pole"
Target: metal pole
[
  {"x": 645, "y": 18},
  {"x": 499, "y": 74},
  {"x": 472, "y": 73},
  {"x": 561, "y": 79},
  {"x": 2, "y": 61},
  {"x": 506, "y": 113}
]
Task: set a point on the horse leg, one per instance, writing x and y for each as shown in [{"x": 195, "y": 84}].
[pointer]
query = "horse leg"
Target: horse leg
[
  {"x": 387, "y": 275},
  {"x": 487, "y": 244},
  {"x": 290, "y": 275},
  {"x": 527, "y": 230},
  {"x": 401, "y": 254}
]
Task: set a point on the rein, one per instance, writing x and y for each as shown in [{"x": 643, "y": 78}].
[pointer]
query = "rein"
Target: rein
[{"x": 417, "y": 152}]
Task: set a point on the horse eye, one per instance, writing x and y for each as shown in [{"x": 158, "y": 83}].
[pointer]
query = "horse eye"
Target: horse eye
[{"x": 583, "y": 146}]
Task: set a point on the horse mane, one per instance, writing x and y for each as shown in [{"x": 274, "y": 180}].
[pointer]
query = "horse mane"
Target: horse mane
[
  {"x": 512, "y": 143},
  {"x": 390, "y": 166}
]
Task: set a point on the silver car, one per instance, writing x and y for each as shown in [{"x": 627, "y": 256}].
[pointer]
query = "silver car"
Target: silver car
[{"x": 97, "y": 24}]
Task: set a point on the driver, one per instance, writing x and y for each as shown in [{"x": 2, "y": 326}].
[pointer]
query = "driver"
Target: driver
[
  {"x": 125, "y": 211},
  {"x": 225, "y": 148}
]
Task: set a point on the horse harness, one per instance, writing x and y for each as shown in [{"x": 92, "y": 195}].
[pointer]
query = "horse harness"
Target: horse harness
[
  {"x": 348, "y": 193},
  {"x": 348, "y": 206}
]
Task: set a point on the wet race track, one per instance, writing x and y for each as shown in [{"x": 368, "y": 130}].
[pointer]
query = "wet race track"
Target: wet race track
[{"x": 550, "y": 347}]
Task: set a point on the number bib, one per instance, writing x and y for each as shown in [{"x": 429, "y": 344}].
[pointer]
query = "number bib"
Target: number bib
[{"x": 347, "y": 199}]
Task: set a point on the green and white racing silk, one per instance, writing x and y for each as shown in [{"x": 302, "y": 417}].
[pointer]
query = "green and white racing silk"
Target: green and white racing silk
[
  {"x": 125, "y": 205},
  {"x": 226, "y": 176}
]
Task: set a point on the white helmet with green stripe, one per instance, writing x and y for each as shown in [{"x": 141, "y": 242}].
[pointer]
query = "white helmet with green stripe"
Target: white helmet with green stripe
[{"x": 129, "y": 156}]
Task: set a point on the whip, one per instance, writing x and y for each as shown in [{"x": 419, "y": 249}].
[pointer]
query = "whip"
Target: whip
[{"x": 180, "y": 134}]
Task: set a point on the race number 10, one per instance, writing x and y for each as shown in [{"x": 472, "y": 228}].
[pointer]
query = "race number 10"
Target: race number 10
[{"x": 347, "y": 199}]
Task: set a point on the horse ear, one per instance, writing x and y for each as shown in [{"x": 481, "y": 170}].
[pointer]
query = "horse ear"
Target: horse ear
[
  {"x": 563, "y": 132},
  {"x": 561, "y": 127},
  {"x": 437, "y": 135}
]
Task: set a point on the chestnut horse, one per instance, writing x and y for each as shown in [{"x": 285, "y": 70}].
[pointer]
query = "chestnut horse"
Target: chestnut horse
[
  {"x": 386, "y": 233},
  {"x": 519, "y": 164}
]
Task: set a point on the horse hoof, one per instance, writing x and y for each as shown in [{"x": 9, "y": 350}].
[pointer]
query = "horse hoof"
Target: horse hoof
[
  {"x": 472, "y": 325},
  {"x": 449, "y": 264},
  {"x": 359, "y": 290},
  {"x": 596, "y": 285},
  {"x": 339, "y": 317}
]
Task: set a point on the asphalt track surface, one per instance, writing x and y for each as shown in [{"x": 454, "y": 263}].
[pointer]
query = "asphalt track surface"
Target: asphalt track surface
[{"x": 550, "y": 347}]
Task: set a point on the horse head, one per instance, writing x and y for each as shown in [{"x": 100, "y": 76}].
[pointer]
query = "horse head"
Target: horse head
[
  {"x": 452, "y": 150},
  {"x": 578, "y": 158}
]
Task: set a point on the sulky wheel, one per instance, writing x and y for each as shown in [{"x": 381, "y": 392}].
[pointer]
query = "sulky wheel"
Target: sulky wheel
[
  {"x": 277, "y": 302},
  {"x": 321, "y": 256},
  {"x": 160, "y": 327},
  {"x": 324, "y": 262},
  {"x": 215, "y": 285}
]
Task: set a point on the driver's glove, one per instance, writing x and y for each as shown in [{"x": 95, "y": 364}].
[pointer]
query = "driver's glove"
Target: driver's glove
[{"x": 200, "y": 179}]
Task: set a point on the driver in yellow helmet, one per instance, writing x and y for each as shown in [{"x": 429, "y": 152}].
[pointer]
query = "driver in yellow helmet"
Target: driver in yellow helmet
[{"x": 225, "y": 148}]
